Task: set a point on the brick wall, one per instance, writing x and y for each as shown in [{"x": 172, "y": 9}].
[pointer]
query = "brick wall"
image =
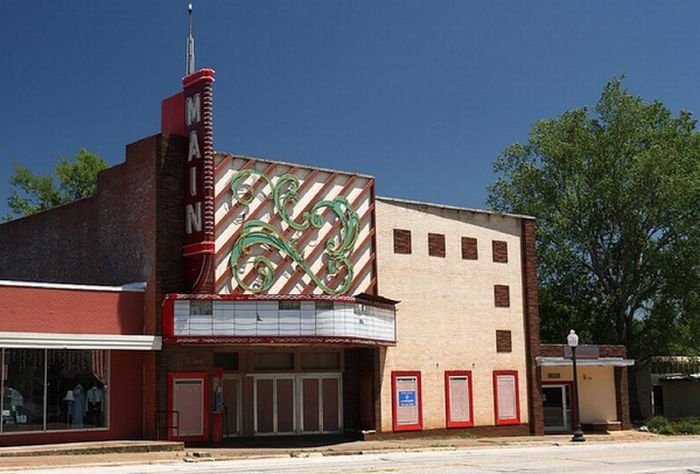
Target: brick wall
[
  {"x": 131, "y": 230},
  {"x": 605, "y": 350},
  {"x": 532, "y": 324},
  {"x": 447, "y": 319}
]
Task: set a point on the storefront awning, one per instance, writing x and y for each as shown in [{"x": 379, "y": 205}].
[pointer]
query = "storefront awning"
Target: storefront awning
[
  {"x": 35, "y": 340},
  {"x": 600, "y": 362}
]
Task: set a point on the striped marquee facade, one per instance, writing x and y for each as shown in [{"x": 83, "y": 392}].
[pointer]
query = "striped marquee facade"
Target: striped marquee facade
[{"x": 288, "y": 229}]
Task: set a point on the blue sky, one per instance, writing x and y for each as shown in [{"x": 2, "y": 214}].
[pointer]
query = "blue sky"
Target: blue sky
[{"x": 424, "y": 95}]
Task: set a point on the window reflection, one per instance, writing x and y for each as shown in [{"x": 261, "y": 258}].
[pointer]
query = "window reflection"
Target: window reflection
[{"x": 46, "y": 389}]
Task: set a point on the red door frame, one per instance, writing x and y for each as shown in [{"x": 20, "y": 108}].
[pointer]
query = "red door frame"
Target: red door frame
[
  {"x": 419, "y": 395},
  {"x": 500, "y": 421},
  {"x": 204, "y": 376},
  {"x": 458, "y": 424}
]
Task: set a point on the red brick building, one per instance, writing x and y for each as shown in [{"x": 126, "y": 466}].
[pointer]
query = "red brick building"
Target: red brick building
[{"x": 265, "y": 283}]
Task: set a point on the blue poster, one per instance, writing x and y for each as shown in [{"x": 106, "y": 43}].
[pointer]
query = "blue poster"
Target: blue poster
[{"x": 407, "y": 398}]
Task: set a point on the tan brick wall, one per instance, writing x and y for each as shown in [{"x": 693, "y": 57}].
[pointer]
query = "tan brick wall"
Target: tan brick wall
[{"x": 447, "y": 319}]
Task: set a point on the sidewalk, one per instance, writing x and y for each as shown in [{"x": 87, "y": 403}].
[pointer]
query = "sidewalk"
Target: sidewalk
[{"x": 149, "y": 452}]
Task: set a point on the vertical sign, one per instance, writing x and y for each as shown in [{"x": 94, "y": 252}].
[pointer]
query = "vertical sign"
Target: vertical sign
[{"x": 198, "y": 248}]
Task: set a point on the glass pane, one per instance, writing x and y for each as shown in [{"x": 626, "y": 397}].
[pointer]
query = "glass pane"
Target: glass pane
[
  {"x": 76, "y": 392},
  {"x": 406, "y": 400},
  {"x": 226, "y": 360},
  {"x": 459, "y": 398},
  {"x": 320, "y": 360},
  {"x": 506, "y": 397},
  {"x": 23, "y": 390},
  {"x": 274, "y": 361},
  {"x": 188, "y": 400},
  {"x": 553, "y": 407}
]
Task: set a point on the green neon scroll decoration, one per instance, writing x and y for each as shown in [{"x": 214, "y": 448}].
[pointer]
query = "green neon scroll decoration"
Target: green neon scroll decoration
[
  {"x": 263, "y": 236},
  {"x": 246, "y": 197}
]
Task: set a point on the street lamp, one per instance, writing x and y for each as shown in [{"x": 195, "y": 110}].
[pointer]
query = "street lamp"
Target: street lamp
[{"x": 572, "y": 341}]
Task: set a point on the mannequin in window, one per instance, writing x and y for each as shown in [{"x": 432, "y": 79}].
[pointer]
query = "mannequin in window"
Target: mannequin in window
[
  {"x": 95, "y": 405},
  {"x": 13, "y": 399},
  {"x": 79, "y": 406}
]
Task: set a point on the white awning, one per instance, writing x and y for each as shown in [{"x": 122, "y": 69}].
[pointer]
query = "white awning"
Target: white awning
[
  {"x": 600, "y": 362},
  {"x": 37, "y": 340}
]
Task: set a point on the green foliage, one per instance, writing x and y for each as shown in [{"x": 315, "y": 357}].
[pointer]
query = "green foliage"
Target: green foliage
[
  {"x": 76, "y": 180},
  {"x": 660, "y": 425},
  {"x": 690, "y": 425},
  {"x": 685, "y": 426},
  {"x": 616, "y": 194}
]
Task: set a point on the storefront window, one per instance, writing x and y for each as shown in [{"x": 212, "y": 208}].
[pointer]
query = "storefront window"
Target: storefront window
[
  {"x": 23, "y": 390},
  {"x": 53, "y": 389}
]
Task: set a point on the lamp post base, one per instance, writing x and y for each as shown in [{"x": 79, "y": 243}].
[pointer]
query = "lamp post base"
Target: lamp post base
[{"x": 578, "y": 435}]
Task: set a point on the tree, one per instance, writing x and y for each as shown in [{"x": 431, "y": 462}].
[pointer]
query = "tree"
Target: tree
[
  {"x": 616, "y": 194},
  {"x": 32, "y": 193}
]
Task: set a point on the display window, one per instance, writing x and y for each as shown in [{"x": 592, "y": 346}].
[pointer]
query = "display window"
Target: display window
[
  {"x": 458, "y": 398},
  {"x": 51, "y": 390},
  {"x": 506, "y": 398}
]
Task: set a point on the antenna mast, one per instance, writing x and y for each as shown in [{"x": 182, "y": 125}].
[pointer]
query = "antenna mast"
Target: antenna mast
[{"x": 190, "y": 45}]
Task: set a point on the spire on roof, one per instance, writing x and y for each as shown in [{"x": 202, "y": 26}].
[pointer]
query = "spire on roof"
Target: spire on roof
[{"x": 190, "y": 46}]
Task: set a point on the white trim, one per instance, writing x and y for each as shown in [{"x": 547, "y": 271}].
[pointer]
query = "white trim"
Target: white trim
[
  {"x": 138, "y": 287},
  {"x": 37, "y": 340},
  {"x": 291, "y": 165},
  {"x": 601, "y": 362},
  {"x": 453, "y": 208}
]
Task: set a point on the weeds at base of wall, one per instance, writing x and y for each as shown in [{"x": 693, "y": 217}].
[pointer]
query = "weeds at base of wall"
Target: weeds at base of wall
[{"x": 663, "y": 426}]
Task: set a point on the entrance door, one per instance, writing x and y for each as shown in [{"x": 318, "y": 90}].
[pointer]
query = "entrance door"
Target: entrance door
[
  {"x": 232, "y": 405},
  {"x": 556, "y": 399},
  {"x": 320, "y": 404},
  {"x": 274, "y": 405},
  {"x": 188, "y": 417}
]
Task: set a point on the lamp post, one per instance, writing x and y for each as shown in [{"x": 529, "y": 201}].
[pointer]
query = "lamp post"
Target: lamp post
[{"x": 572, "y": 341}]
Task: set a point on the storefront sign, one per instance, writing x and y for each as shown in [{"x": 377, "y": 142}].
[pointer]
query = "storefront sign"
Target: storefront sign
[{"x": 199, "y": 178}]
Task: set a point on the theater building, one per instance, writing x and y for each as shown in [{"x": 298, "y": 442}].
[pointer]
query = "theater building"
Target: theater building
[{"x": 277, "y": 299}]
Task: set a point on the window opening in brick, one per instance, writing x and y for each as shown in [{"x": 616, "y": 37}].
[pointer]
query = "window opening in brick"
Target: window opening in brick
[
  {"x": 402, "y": 241},
  {"x": 500, "y": 251},
  {"x": 436, "y": 245},
  {"x": 503, "y": 341},
  {"x": 469, "y": 249},
  {"x": 501, "y": 295}
]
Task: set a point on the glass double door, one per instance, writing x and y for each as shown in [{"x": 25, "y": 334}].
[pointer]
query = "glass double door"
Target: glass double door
[
  {"x": 556, "y": 400},
  {"x": 297, "y": 404}
]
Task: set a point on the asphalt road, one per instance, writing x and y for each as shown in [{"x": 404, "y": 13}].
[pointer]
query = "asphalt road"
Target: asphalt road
[{"x": 647, "y": 457}]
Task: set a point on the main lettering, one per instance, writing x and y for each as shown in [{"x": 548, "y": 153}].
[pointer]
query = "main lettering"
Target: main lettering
[
  {"x": 193, "y": 219},
  {"x": 194, "y": 146},
  {"x": 193, "y": 210},
  {"x": 193, "y": 110}
]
